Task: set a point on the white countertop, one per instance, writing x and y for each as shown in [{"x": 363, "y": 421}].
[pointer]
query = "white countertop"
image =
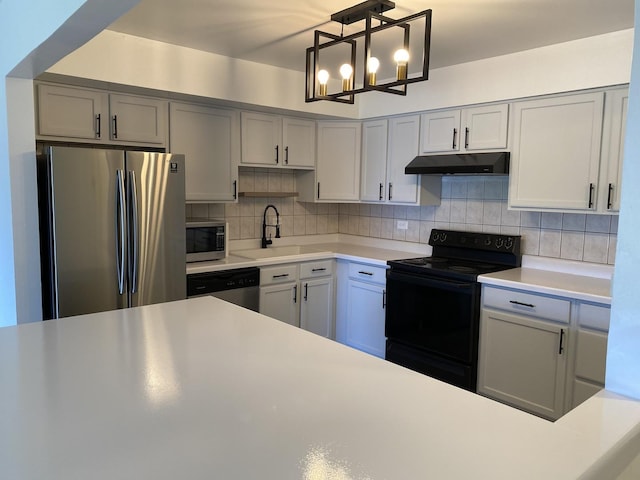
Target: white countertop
[
  {"x": 581, "y": 281},
  {"x": 338, "y": 250},
  {"x": 202, "y": 389}
]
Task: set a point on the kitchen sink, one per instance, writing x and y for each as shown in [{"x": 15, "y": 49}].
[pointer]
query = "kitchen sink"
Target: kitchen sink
[{"x": 272, "y": 252}]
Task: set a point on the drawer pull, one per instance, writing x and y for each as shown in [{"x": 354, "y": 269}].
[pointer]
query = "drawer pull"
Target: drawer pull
[
  {"x": 365, "y": 273},
  {"x": 515, "y": 302},
  {"x": 318, "y": 269},
  {"x": 282, "y": 275}
]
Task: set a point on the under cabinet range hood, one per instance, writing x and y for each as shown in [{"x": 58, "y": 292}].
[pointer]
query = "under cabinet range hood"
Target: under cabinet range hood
[{"x": 493, "y": 163}]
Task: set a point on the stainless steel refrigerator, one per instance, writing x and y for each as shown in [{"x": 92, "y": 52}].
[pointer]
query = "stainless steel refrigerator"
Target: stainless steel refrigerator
[{"x": 112, "y": 229}]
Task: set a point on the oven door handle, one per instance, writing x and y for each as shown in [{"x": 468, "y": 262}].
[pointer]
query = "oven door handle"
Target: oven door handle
[{"x": 430, "y": 281}]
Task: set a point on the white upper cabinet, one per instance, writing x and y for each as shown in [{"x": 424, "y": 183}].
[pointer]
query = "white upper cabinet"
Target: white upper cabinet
[
  {"x": 387, "y": 147},
  {"x": 555, "y": 153},
  {"x": 274, "y": 141},
  {"x": 615, "y": 121},
  {"x": 94, "y": 116},
  {"x": 461, "y": 130},
  {"x": 210, "y": 139},
  {"x": 338, "y": 170},
  {"x": 137, "y": 119},
  {"x": 374, "y": 161},
  {"x": 72, "y": 112}
]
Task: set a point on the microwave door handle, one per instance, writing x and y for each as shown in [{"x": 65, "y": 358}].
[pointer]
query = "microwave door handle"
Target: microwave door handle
[
  {"x": 133, "y": 238},
  {"x": 120, "y": 230}
]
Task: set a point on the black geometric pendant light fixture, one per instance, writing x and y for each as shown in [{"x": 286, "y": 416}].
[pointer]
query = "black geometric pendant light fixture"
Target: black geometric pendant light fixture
[{"x": 377, "y": 58}]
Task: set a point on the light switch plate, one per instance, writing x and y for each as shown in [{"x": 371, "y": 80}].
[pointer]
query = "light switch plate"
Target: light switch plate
[{"x": 403, "y": 224}]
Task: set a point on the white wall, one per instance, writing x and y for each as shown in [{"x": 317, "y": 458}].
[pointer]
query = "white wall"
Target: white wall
[
  {"x": 591, "y": 62},
  {"x": 128, "y": 60},
  {"x": 35, "y": 34},
  {"x": 623, "y": 355}
]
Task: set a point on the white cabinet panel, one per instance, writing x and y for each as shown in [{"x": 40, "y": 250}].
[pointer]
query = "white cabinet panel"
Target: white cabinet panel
[
  {"x": 404, "y": 138},
  {"x": 365, "y": 313},
  {"x": 338, "y": 168},
  {"x": 523, "y": 362},
  {"x": 137, "y": 119},
  {"x": 440, "y": 132},
  {"x": 210, "y": 140},
  {"x": 555, "y": 152},
  {"x": 71, "y": 112},
  {"x": 299, "y": 142},
  {"x": 515, "y": 301},
  {"x": 615, "y": 121},
  {"x": 485, "y": 127},
  {"x": 374, "y": 161},
  {"x": 281, "y": 302},
  {"x": 316, "y": 307}
]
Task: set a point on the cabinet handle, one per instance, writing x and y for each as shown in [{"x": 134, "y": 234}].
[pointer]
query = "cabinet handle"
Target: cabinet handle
[
  {"x": 590, "y": 195},
  {"x": 515, "y": 302},
  {"x": 286, "y": 155},
  {"x": 306, "y": 291},
  {"x": 318, "y": 269},
  {"x": 390, "y": 190},
  {"x": 609, "y": 195},
  {"x": 318, "y": 190},
  {"x": 115, "y": 126},
  {"x": 466, "y": 137},
  {"x": 277, "y": 153},
  {"x": 235, "y": 189},
  {"x": 381, "y": 195},
  {"x": 455, "y": 137},
  {"x": 384, "y": 299},
  {"x": 295, "y": 294},
  {"x": 561, "y": 348},
  {"x": 282, "y": 275},
  {"x": 366, "y": 273},
  {"x": 98, "y": 122}
]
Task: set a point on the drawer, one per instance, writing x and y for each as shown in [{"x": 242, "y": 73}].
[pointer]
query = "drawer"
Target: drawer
[
  {"x": 321, "y": 268},
  {"x": 594, "y": 316},
  {"x": 591, "y": 355},
  {"x": 278, "y": 274},
  {"x": 548, "y": 308},
  {"x": 368, "y": 273}
]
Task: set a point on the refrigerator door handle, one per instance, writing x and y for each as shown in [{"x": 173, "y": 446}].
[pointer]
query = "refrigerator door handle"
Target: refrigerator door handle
[
  {"x": 120, "y": 232},
  {"x": 133, "y": 238}
]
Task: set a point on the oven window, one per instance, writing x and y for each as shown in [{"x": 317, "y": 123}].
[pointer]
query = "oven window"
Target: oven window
[{"x": 439, "y": 316}]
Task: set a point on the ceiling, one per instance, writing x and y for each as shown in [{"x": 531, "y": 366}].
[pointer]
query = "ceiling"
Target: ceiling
[{"x": 277, "y": 33}]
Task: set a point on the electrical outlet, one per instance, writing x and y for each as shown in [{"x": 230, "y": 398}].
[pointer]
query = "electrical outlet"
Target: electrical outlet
[{"x": 403, "y": 224}]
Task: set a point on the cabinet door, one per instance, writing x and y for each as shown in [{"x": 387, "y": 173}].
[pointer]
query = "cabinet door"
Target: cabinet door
[
  {"x": 281, "y": 302},
  {"x": 522, "y": 362},
  {"x": 210, "y": 140},
  {"x": 299, "y": 142},
  {"x": 138, "y": 119},
  {"x": 365, "y": 317},
  {"x": 404, "y": 134},
  {"x": 440, "y": 131},
  {"x": 316, "y": 309},
  {"x": 485, "y": 127},
  {"x": 72, "y": 112},
  {"x": 613, "y": 149},
  {"x": 338, "y": 170},
  {"x": 556, "y": 153},
  {"x": 261, "y": 136},
  {"x": 374, "y": 161}
]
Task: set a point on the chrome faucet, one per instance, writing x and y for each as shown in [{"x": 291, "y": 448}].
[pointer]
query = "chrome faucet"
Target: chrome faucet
[{"x": 268, "y": 241}]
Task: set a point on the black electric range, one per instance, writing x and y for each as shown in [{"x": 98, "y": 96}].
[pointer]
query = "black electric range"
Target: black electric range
[{"x": 433, "y": 303}]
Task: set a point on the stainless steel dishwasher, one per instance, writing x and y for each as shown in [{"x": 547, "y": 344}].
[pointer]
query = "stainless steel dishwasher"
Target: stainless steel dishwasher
[{"x": 240, "y": 286}]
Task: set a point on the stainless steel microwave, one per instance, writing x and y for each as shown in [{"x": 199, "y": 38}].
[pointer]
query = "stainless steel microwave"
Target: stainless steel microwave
[{"x": 206, "y": 239}]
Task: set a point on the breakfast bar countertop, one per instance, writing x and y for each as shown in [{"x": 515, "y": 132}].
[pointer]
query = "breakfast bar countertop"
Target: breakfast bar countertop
[{"x": 201, "y": 388}]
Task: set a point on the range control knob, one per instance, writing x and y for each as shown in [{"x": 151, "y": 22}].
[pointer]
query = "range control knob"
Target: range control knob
[
  {"x": 487, "y": 241},
  {"x": 499, "y": 242},
  {"x": 508, "y": 244}
]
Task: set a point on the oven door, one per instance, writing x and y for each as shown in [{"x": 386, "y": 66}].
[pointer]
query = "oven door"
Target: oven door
[{"x": 435, "y": 315}]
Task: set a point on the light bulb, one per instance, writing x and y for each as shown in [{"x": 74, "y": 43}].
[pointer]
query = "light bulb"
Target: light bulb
[
  {"x": 323, "y": 78},
  {"x": 372, "y": 66},
  {"x": 401, "y": 57},
  {"x": 346, "y": 71}
]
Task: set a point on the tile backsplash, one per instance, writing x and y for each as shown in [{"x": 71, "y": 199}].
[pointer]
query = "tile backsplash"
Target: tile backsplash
[{"x": 468, "y": 203}]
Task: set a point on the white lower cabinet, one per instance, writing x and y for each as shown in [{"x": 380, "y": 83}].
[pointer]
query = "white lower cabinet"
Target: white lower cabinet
[
  {"x": 539, "y": 353},
  {"x": 300, "y": 295},
  {"x": 361, "y": 307},
  {"x": 523, "y": 362}
]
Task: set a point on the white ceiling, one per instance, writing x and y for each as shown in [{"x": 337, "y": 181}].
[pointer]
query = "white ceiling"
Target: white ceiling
[{"x": 278, "y": 32}]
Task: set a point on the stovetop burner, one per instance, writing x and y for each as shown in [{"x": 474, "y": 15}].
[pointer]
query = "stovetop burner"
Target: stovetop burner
[{"x": 464, "y": 255}]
